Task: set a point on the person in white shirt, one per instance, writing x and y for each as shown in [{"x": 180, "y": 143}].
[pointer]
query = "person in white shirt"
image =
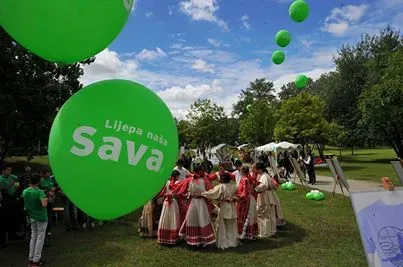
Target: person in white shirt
[
  {"x": 237, "y": 173},
  {"x": 183, "y": 172}
]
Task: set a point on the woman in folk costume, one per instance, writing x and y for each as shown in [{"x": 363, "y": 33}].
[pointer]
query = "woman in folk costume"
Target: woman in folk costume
[
  {"x": 266, "y": 211},
  {"x": 148, "y": 223},
  {"x": 196, "y": 228},
  {"x": 226, "y": 224},
  {"x": 170, "y": 220},
  {"x": 280, "y": 221},
  {"x": 246, "y": 207}
]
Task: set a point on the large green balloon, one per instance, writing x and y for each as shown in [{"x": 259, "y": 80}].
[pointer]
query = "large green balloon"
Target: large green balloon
[
  {"x": 112, "y": 147},
  {"x": 301, "y": 81},
  {"x": 278, "y": 57},
  {"x": 283, "y": 38},
  {"x": 64, "y": 31},
  {"x": 322, "y": 196},
  {"x": 299, "y": 10},
  {"x": 284, "y": 186}
]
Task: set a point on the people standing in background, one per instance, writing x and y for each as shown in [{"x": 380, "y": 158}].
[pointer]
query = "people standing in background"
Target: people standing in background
[
  {"x": 287, "y": 166},
  {"x": 310, "y": 166},
  {"x": 237, "y": 172},
  {"x": 206, "y": 165},
  {"x": 35, "y": 203},
  {"x": 187, "y": 162},
  {"x": 183, "y": 172}
]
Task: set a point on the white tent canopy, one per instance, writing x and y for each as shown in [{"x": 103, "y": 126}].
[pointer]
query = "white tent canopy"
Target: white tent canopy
[
  {"x": 243, "y": 146},
  {"x": 222, "y": 153},
  {"x": 266, "y": 148},
  {"x": 286, "y": 146}
]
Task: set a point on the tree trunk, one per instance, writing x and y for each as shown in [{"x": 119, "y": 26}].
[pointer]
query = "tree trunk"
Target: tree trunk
[
  {"x": 320, "y": 150},
  {"x": 398, "y": 141}
]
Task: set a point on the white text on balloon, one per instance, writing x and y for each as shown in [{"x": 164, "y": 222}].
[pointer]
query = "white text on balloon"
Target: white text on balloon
[{"x": 112, "y": 150}]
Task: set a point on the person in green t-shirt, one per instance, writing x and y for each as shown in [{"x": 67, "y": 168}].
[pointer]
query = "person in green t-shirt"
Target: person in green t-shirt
[
  {"x": 47, "y": 184},
  {"x": 8, "y": 182},
  {"x": 35, "y": 205}
]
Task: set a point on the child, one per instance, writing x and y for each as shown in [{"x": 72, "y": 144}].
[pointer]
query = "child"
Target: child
[
  {"x": 35, "y": 206},
  {"x": 226, "y": 224},
  {"x": 170, "y": 220},
  {"x": 246, "y": 207}
]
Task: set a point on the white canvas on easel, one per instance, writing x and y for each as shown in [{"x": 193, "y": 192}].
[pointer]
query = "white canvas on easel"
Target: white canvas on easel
[
  {"x": 340, "y": 173},
  {"x": 338, "y": 176},
  {"x": 399, "y": 169},
  {"x": 298, "y": 171}
]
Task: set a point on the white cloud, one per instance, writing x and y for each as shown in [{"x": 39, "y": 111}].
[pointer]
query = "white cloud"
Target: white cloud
[
  {"x": 150, "y": 54},
  {"x": 170, "y": 9},
  {"x": 200, "y": 10},
  {"x": 342, "y": 18},
  {"x": 202, "y": 66},
  {"x": 307, "y": 43},
  {"x": 149, "y": 14},
  {"x": 214, "y": 42},
  {"x": 245, "y": 21}
]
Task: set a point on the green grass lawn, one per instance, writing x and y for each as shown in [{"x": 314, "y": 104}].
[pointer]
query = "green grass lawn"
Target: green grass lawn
[
  {"x": 317, "y": 234},
  {"x": 365, "y": 164}
]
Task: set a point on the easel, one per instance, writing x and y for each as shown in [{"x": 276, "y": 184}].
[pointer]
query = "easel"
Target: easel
[
  {"x": 337, "y": 179},
  {"x": 298, "y": 172}
]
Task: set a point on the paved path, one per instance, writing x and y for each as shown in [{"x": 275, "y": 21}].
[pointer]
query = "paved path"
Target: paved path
[{"x": 325, "y": 183}]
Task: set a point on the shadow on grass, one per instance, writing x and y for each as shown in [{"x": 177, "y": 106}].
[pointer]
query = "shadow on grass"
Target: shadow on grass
[{"x": 288, "y": 236}]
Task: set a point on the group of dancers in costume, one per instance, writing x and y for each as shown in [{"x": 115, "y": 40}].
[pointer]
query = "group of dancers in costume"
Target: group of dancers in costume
[{"x": 248, "y": 207}]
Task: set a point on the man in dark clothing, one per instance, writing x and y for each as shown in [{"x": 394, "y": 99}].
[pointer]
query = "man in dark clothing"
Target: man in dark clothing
[{"x": 310, "y": 167}]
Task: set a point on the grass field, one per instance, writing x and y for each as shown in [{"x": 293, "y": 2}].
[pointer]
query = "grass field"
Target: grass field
[
  {"x": 365, "y": 164},
  {"x": 317, "y": 234}
]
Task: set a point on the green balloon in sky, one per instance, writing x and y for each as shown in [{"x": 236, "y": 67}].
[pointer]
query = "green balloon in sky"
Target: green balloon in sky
[
  {"x": 278, "y": 57},
  {"x": 283, "y": 38},
  {"x": 299, "y": 10},
  {"x": 112, "y": 147},
  {"x": 301, "y": 81},
  {"x": 64, "y": 31}
]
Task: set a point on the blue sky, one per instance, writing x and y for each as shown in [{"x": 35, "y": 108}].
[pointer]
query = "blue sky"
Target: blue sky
[{"x": 189, "y": 49}]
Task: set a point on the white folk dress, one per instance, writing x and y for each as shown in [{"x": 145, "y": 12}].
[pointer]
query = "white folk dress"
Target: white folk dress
[
  {"x": 226, "y": 224},
  {"x": 197, "y": 228},
  {"x": 266, "y": 211},
  {"x": 169, "y": 224}
]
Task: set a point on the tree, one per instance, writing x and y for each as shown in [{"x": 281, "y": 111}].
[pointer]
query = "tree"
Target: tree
[
  {"x": 184, "y": 132},
  {"x": 358, "y": 68},
  {"x": 206, "y": 119},
  {"x": 290, "y": 90},
  {"x": 381, "y": 105},
  {"x": 260, "y": 89},
  {"x": 257, "y": 126},
  {"x": 32, "y": 91},
  {"x": 300, "y": 120}
]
